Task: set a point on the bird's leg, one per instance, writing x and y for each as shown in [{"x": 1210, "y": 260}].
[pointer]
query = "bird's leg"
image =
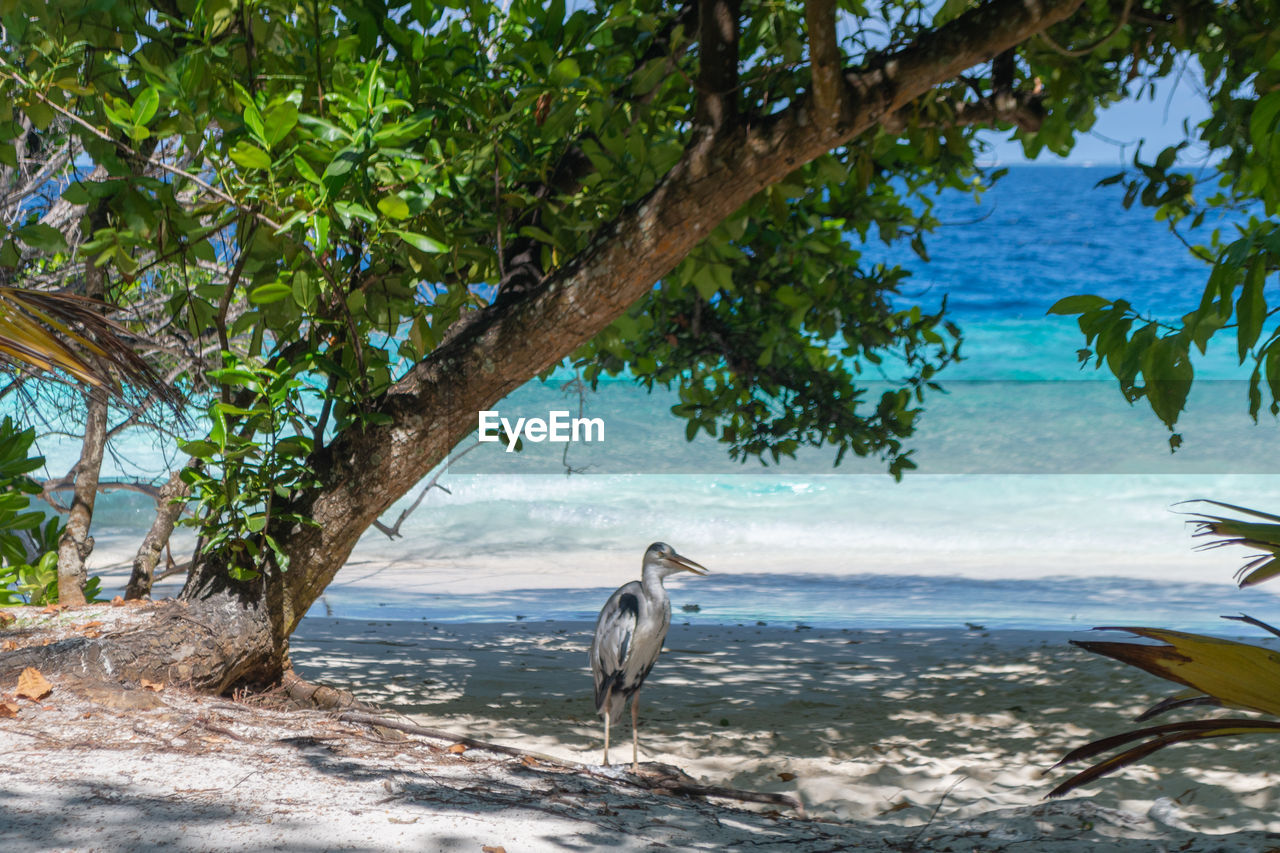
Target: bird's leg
[
  {"x": 635, "y": 738},
  {"x": 606, "y": 737}
]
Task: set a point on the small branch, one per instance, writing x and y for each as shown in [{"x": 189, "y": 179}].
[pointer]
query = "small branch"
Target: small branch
[
  {"x": 1021, "y": 108},
  {"x": 577, "y": 386},
  {"x": 393, "y": 531},
  {"x": 717, "y": 63},
  {"x": 1090, "y": 48},
  {"x": 159, "y": 164},
  {"x": 667, "y": 782},
  {"x": 65, "y": 483},
  {"x": 825, "y": 67}
]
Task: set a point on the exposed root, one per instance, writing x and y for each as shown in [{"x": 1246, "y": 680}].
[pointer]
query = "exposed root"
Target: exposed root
[
  {"x": 658, "y": 778},
  {"x": 311, "y": 696}
]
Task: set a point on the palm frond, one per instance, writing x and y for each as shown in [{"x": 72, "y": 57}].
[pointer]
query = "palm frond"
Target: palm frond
[
  {"x": 1239, "y": 675},
  {"x": 60, "y": 331},
  {"x": 1249, "y": 534},
  {"x": 1185, "y": 699},
  {"x": 1160, "y": 737}
]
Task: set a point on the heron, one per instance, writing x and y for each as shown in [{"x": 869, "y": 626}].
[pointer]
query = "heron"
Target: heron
[{"x": 629, "y": 635}]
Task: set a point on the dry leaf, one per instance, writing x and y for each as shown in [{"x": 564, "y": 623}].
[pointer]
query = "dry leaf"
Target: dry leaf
[
  {"x": 6, "y": 618},
  {"x": 32, "y": 685},
  {"x": 53, "y": 608},
  {"x": 786, "y": 777},
  {"x": 89, "y": 626},
  {"x": 8, "y": 646},
  {"x": 157, "y": 686},
  {"x": 8, "y": 709},
  {"x": 897, "y": 807},
  {"x": 494, "y": 849},
  {"x": 118, "y": 601},
  {"x": 458, "y": 748},
  {"x": 529, "y": 761}
]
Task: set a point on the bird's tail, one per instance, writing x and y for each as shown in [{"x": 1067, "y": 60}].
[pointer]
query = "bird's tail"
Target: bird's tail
[{"x": 608, "y": 695}]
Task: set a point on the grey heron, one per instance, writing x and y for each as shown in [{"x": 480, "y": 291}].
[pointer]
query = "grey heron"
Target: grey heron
[{"x": 629, "y": 635}]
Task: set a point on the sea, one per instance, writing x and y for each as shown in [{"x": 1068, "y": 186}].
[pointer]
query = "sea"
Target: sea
[{"x": 1042, "y": 500}]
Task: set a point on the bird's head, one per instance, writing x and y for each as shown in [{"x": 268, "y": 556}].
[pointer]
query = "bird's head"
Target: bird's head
[{"x": 663, "y": 559}]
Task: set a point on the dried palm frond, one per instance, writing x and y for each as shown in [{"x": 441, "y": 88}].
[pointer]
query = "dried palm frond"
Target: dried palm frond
[
  {"x": 1217, "y": 672},
  {"x": 66, "y": 332},
  {"x": 1160, "y": 737}
]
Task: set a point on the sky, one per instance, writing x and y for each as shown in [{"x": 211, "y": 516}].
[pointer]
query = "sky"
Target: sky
[{"x": 1115, "y": 136}]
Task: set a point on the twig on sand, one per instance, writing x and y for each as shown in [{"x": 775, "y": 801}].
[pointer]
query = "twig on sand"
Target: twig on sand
[
  {"x": 666, "y": 781},
  {"x": 916, "y": 839}
]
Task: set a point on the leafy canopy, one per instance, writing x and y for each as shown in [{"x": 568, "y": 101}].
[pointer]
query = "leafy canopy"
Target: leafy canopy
[
  {"x": 337, "y": 185},
  {"x": 1226, "y": 213}
]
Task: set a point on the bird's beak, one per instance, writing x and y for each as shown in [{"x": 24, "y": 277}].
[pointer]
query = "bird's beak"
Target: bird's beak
[{"x": 687, "y": 564}]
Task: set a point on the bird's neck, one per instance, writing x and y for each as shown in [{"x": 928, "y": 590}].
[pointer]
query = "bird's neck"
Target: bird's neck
[{"x": 652, "y": 582}]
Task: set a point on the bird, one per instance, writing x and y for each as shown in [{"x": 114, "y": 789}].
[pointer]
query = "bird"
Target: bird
[{"x": 628, "y": 638}]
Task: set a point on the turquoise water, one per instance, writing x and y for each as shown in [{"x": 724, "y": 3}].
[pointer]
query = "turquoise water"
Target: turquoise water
[{"x": 1043, "y": 500}]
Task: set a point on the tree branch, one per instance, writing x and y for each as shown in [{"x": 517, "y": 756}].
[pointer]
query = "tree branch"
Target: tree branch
[
  {"x": 828, "y": 93},
  {"x": 717, "y": 63},
  {"x": 495, "y": 350}
]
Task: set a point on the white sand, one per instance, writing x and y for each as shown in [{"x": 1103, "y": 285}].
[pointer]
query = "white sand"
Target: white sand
[
  {"x": 874, "y": 725},
  {"x": 880, "y": 728}
]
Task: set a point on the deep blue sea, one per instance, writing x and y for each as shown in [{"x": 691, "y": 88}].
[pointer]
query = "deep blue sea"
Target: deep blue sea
[{"x": 1043, "y": 500}]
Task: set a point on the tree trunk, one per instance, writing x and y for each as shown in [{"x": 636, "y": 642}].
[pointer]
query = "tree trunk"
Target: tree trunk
[
  {"x": 168, "y": 508},
  {"x": 76, "y": 544},
  {"x": 220, "y": 639}
]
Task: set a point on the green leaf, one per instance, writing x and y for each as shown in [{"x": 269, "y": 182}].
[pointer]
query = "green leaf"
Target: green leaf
[
  {"x": 144, "y": 108},
  {"x": 353, "y": 210},
  {"x": 265, "y": 294},
  {"x": 250, "y": 156},
  {"x": 280, "y": 119},
  {"x": 1078, "y": 304},
  {"x": 200, "y": 449},
  {"x": 421, "y": 242},
  {"x": 253, "y": 120},
  {"x": 1166, "y": 367},
  {"x": 305, "y": 290},
  {"x": 1262, "y": 122},
  {"x": 394, "y": 207},
  {"x": 565, "y": 71},
  {"x": 1251, "y": 308},
  {"x": 305, "y": 170},
  {"x": 42, "y": 238}
]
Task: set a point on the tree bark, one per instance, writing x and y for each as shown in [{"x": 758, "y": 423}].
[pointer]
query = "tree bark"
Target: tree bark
[
  {"x": 168, "y": 508},
  {"x": 215, "y": 644},
  {"x": 76, "y": 544}
]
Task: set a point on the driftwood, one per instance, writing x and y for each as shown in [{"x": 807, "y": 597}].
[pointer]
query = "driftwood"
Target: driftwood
[{"x": 661, "y": 778}]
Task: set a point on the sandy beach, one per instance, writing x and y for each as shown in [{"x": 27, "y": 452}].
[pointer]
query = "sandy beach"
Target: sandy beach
[
  {"x": 872, "y": 726},
  {"x": 894, "y": 740}
]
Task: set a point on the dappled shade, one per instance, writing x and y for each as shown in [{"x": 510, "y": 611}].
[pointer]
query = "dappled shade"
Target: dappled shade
[{"x": 1217, "y": 672}]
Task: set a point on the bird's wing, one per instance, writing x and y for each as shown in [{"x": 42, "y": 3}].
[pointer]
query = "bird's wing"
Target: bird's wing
[{"x": 612, "y": 642}]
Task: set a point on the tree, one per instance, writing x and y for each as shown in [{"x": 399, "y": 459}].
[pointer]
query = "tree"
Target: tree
[
  {"x": 415, "y": 209},
  {"x": 1152, "y": 356}
]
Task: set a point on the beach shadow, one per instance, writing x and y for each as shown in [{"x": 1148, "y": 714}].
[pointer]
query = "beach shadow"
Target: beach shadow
[{"x": 872, "y": 725}]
